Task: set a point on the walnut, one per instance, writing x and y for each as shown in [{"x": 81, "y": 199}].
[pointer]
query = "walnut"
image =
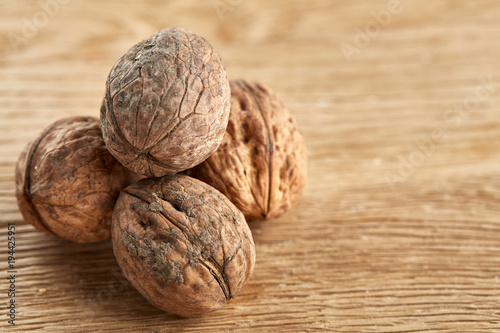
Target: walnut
[
  {"x": 67, "y": 182},
  {"x": 166, "y": 104},
  {"x": 182, "y": 244},
  {"x": 261, "y": 164}
]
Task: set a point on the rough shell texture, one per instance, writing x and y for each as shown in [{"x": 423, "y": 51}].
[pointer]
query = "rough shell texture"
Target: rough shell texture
[
  {"x": 182, "y": 244},
  {"x": 166, "y": 104},
  {"x": 67, "y": 182},
  {"x": 261, "y": 164}
]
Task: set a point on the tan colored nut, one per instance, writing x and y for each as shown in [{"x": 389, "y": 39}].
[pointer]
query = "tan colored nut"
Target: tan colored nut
[
  {"x": 166, "y": 104},
  {"x": 67, "y": 182},
  {"x": 261, "y": 164},
  {"x": 182, "y": 244}
]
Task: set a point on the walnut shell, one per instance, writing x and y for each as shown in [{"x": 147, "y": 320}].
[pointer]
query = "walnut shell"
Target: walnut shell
[
  {"x": 182, "y": 244},
  {"x": 67, "y": 182},
  {"x": 261, "y": 164},
  {"x": 166, "y": 104}
]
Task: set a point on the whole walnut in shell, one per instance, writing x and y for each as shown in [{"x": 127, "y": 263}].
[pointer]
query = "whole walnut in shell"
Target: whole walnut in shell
[
  {"x": 166, "y": 103},
  {"x": 261, "y": 164},
  {"x": 182, "y": 244},
  {"x": 67, "y": 182}
]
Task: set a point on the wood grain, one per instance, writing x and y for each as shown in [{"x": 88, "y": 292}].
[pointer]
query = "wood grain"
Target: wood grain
[{"x": 399, "y": 226}]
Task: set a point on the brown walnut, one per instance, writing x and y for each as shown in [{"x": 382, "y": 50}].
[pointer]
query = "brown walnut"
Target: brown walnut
[
  {"x": 166, "y": 103},
  {"x": 182, "y": 244},
  {"x": 67, "y": 182},
  {"x": 261, "y": 164}
]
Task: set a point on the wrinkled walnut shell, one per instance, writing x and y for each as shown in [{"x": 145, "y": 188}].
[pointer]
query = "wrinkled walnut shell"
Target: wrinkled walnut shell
[
  {"x": 166, "y": 104},
  {"x": 261, "y": 164},
  {"x": 67, "y": 182},
  {"x": 182, "y": 244}
]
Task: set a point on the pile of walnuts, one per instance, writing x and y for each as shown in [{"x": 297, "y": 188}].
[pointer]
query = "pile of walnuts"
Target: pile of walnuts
[{"x": 179, "y": 161}]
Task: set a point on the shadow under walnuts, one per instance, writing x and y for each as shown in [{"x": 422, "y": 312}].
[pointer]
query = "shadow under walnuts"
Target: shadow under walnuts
[{"x": 90, "y": 273}]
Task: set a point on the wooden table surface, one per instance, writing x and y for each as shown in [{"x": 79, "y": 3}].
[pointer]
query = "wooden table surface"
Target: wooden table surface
[{"x": 398, "y": 229}]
